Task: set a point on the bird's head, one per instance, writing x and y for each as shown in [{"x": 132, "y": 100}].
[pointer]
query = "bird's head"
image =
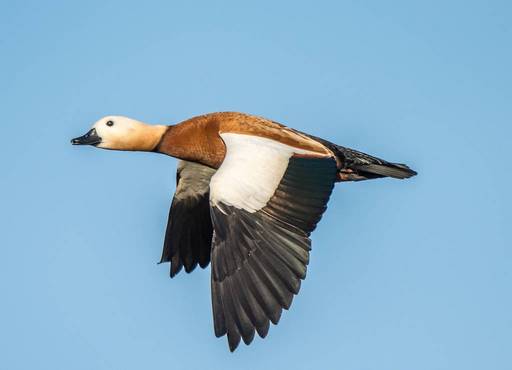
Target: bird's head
[{"x": 122, "y": 133}]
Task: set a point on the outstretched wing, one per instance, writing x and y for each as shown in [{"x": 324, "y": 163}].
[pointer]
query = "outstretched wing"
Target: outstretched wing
[
  {"x": 266, "y": 199},
  {"x": 189, "y": 228}
]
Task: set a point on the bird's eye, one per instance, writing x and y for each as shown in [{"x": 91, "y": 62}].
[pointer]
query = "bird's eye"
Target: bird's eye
[{"x": 110, "y": 123}]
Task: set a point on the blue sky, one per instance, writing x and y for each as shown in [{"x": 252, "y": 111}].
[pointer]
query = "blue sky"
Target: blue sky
[{"x": 403, "y": 275}]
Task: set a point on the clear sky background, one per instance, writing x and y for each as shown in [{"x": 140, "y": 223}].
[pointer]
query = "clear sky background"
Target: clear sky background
[{"x": 404, "y": 274}]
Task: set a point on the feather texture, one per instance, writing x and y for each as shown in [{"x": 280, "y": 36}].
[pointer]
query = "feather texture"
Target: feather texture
[{"x": 259, "y": 257}]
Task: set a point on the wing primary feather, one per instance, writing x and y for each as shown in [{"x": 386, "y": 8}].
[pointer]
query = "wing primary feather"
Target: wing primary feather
[
  {"x": 219, "y": 320},
  {"x": 262, "y": 293},
  {"x": 295, "y": 257},
  {"x": 230, "y": 316},
  {"x": 276, "y": 286},
  {"x": 251, "y": 305},
  {"x": 242, "y": 321}
]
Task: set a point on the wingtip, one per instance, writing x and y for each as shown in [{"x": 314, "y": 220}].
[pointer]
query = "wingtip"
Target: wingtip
[
  {"x": 263, "y": 329},
  {"x": 233, "y": 341},
  {"x": 175, "y": 269}
]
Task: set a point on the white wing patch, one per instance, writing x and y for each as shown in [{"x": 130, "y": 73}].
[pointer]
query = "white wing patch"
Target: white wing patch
[{"x": 251, "y": 171}]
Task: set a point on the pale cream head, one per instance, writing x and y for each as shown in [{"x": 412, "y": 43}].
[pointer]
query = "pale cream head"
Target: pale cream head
[{"x": 123, "y": 133}]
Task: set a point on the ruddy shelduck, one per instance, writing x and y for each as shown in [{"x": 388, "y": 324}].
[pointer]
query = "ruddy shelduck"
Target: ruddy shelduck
[{"x": 249, "y": 193}]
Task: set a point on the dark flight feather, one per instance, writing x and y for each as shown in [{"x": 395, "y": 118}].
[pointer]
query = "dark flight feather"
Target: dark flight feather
[{"x": 189, "y": 228}]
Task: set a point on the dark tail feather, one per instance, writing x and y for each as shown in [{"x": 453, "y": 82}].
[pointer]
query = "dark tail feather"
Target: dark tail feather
[
  {"x": 357, "y": 166},
  {"x": 360, "y": 166},
  {"x": 394, "y": 170}
]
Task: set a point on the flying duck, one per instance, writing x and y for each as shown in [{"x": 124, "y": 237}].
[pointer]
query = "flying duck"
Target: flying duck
[{"x": 249, "y": 192}]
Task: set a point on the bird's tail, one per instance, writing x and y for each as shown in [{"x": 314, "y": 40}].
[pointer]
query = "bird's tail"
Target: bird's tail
[{"x": 357, "y": 166}]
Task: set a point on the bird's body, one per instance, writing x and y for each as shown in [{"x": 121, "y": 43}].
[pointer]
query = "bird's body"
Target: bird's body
[{"x": 249, "y": 193}]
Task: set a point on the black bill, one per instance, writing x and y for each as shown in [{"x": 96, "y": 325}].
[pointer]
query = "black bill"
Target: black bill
[{"x": 90, "y": 138}]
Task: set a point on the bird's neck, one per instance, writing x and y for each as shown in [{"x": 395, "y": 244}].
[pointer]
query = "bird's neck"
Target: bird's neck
[
  {"x": 193, "y": 141},
  {"x": 145, "y": 138}
]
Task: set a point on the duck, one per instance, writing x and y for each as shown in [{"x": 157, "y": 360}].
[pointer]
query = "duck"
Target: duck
[{"x": 249, "y": 193}]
